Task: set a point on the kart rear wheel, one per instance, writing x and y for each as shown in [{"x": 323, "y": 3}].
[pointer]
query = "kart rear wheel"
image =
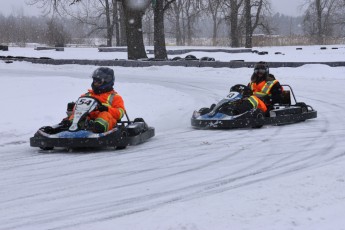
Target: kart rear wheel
[
  {"x": 47, "y": 148},
  {"x": 304, "y": 107},
  {"x": 120, "y": 147}
]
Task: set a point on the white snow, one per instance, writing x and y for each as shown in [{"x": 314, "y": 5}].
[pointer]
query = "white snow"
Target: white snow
[{"x": 276, "y": 177}]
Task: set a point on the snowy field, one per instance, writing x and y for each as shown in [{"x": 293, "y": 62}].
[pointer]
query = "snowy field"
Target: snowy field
[{"x": 276, "y": 177}]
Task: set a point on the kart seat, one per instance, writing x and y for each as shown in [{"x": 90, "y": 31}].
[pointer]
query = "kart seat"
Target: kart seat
[{"x": 286, "y": 97}]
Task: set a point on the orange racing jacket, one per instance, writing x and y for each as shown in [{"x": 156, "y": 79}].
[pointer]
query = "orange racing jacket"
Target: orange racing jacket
[
  {"x": 112, "y": 100},
  {"x": 263, "y": 88}
]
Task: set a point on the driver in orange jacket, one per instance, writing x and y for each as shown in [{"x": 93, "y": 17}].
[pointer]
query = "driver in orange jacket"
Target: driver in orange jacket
[
  {"x": 264, "y": 85},
  {"x": 112, "y": 109}
]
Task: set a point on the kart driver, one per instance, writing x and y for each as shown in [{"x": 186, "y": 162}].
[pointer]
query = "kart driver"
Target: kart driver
[
  {"x": 112, "y": 109},
  {"x": 264, "y": 85}
]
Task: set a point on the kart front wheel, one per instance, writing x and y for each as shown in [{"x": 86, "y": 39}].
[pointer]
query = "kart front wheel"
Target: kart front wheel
[{"x": 259, "y": 116}]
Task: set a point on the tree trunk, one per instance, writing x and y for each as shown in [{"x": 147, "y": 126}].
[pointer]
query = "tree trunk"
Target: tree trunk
[
  {"x": 183, "y": 30},
  {"x": 248, "y": 21},
  {"x": 178, "y": 31},
  {"x": 319, "y": 22},
  {"x": 109, "y": 24},
  {"x": 178, "y": 34},
  {"x": 159, "y": 36},
  {"x": 234, "y": 24},
  {"x": 134, "y": 33},
  {"x": 122, "y": 22},
  {"x": 214, "y": 33},
  {"x": 189, "y": 31},
  {"x": 213, "y": 8},
  {"x": 116, "y": 22}
]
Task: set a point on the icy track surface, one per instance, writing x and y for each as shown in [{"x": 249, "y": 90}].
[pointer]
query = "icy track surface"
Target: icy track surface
[{"x": 276, "y": 177}]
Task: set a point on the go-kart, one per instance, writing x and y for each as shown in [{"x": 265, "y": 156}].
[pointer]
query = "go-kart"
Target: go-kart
[
  {"x": 79, "y": 133},
  {"x": 224, "y": 115}
]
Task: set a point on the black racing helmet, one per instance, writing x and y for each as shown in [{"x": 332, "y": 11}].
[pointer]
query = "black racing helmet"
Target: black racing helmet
[
  {"x": 244, "y": 90},
  {"x": 262, "y": 67},
  {"x": 104, "y": 78}
]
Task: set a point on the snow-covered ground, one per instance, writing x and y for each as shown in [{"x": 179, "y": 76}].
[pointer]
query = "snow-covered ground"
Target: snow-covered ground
[{"x": 276, "y": 177}]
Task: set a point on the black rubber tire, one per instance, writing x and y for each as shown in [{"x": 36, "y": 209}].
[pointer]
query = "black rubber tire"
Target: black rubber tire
[
  {"x": 303, "y": 106},
  {"x": 47, "y": 148},
  {"x": 259, "y": 115},
  {"x": 120, "y": 147},
  {"x": 203, "y": 111}
]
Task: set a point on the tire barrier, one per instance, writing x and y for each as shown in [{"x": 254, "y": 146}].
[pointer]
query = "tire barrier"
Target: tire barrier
[
  {"x": 147, "y": 63},
  {"x": 184, "y": 51},
  {"x": 181, "y": 62},
  {"x": 58, "y": 48},
  {"x": 112, "y": 49},
  {"x": 3, "y": 48}
]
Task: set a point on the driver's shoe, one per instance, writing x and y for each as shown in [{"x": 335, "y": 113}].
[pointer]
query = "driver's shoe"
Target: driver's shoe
[
  {"x": 65, "y": 123},
  {"x": 98, "y": 128}
]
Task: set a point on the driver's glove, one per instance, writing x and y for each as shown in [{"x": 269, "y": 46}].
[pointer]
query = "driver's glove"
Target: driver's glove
[{"x": 103, "y": 108}]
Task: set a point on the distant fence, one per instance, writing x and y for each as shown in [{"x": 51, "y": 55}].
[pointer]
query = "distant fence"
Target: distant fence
[
  {"x": 293, "y": 40},
  {"x": 259, "y": 40}
]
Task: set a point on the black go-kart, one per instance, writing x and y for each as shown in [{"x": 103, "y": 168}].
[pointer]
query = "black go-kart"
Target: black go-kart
[
  {"x": 225, "y": 116},
  {"x": 79, "y": 133}
]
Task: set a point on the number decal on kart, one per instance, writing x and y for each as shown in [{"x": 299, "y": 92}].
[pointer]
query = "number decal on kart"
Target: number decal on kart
[
  {"x": 84, "y": 101},
  {"x": 230, "y": 95}
]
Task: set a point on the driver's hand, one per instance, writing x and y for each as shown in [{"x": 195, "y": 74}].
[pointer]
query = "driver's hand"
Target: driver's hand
[{"x": 103, "y": 108}]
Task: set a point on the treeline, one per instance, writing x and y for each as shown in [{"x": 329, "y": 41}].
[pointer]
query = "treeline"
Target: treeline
[
  {"x": 21, "y": 30},
  {"x": 58, "y": 31},
  {"x": 136, "y": 23}
]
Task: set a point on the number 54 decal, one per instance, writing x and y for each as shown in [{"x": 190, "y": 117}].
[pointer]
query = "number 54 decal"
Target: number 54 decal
[{"x": 84, "y": 101}]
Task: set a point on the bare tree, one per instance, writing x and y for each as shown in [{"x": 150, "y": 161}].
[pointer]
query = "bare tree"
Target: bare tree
[
  {"x": 134, "y": 32},
  {"x": 319, "y": 20},
  {"x": 192, "y": 9},
  {"x": 214, "y": 7},
  {"x": 248, "y": 23},
  {"x": 99, "y": 15},
  {"x": 322, "y": 17},
  {"x": 122, "y": 27},
  {"x": 254, "y": 12},
  {"x": 148, "y": 27},
  {"x": 22, "y": 34},
  {"x": 184, "y": 14},
  {"x": 233, "y": 17},
  {"x": 97, "y": 10},
  {"x": 56, "y": 34},
  {"x": 159, "y": 36},
  {"x": 21, "y": 30},
  {"x": 159, "y": 8},
  {"x": 177, "y": 15}
]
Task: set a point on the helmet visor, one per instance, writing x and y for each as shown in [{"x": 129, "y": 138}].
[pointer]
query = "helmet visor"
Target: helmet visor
[
  {"x": 259, "y": 70},
  {"x": 98, "y": 81}
]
